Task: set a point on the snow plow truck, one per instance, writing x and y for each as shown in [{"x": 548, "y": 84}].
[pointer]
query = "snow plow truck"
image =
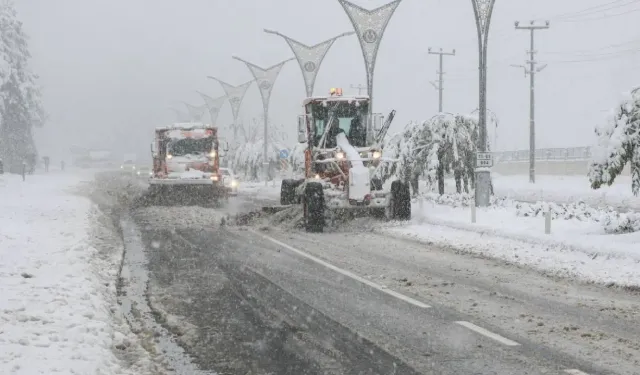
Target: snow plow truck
[
  {"x": 186, "y": 164},
  {"x": 343, "y": 154}
]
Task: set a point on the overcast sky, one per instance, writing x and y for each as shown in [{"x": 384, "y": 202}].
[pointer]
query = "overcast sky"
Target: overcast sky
[{"x": 112, "y": 68}]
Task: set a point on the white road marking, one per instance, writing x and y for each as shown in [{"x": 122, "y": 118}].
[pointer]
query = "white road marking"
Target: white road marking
[
  {"x": 575, "y": 372},
  {"x": 345, "y": 273},
  {"x": 489, "y": 334}
]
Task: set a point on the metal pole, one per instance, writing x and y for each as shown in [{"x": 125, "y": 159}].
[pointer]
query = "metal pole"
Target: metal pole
[
  {"x": 440, "y": 86},
  {"x": 532, "y": 27},
  {"x": 532, "y": 115},
  {"x": 482, "y": 10}
]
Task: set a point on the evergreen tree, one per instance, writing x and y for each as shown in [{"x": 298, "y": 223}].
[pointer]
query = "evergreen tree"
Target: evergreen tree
[
  {"x": 20, "y": 99},
  {"x": 618, "y": 143}
]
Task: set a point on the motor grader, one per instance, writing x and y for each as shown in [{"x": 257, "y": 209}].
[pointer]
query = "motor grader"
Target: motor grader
[{"x": 342, "y": 158}]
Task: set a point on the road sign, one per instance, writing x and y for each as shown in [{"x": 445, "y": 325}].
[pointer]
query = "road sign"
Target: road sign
[
  {"x": 284, "y": 153},
  {"x": 484, "y": 160}
]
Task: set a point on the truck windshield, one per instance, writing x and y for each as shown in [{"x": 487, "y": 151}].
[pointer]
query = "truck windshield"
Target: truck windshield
[
  {"x": 189, "y": 146},
  {"x": 351, "y": 121}
]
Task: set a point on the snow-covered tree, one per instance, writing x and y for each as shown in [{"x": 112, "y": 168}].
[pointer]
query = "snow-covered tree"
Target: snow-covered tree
[
  {"x": 20, "y": 98},
  {"x": 443, "y": 144},
  {"x": 248, "y": 158},
  {"x": 618, "y": 143}
]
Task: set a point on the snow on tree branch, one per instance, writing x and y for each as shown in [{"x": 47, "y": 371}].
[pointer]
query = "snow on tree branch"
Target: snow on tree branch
[{"x": 618, "y": 143}]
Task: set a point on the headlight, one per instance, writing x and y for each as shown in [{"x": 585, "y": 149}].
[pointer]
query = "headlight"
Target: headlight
[
  {"x": 214, "y": 178},
  {"x": 234, "y": 183},
  {"x": 138, "y": 173},
  {"x": 340, "y": 155},
  {"x": 122, "y": 167},
  {"x": 212, "y": 154},
  {"x": 133, "y": 167},
  {"x": 317, "y": 177},
  {"x": 169, "y": 156},
  {"x": 377, "y": 154}
]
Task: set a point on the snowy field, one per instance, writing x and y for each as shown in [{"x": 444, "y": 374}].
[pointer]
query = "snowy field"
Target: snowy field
[
  {"x": 58, "y": 309},
  {"x": 563, "y": 189}
]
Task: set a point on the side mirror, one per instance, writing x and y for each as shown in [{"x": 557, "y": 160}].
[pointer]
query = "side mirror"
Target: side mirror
[
  {"x": 225, "y": 146},
  {"x": 378, "y": 120},
  {"x": 302, "y": 128},
  {"x": 154, "y": 152}
]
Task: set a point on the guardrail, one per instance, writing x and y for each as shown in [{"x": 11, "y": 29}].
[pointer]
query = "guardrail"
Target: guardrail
[{"x": 572, "y": 153}]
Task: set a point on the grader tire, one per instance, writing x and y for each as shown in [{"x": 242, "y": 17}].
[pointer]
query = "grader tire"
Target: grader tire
[
  {"x": 400, "y": 201},
  {"x": 287, "y": 192},
  {"x": 314, "y": 208}
]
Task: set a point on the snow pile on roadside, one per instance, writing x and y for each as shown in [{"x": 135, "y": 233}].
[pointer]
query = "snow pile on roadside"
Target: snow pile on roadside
[
  {"x": 574, "y": 248},
  {"x": 58, "y": 300},
  {"x": 612, "y": 221}
]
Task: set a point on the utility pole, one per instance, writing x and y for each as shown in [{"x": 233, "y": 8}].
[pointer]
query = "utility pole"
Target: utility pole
[
  {"x": 533, "y": 69},
  {"x": 440, "y": 85},
  {"x": 359, "y": 87}
]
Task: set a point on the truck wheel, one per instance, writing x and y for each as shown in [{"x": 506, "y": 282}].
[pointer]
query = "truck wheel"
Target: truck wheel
[
  {"x": 314, "y": 207},
  {"x": 287, "y": 192},
  {"x": 400, "y": 201}
]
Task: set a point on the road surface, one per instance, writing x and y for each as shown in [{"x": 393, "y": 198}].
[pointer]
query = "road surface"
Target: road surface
[{"x": 271, "y": 299}]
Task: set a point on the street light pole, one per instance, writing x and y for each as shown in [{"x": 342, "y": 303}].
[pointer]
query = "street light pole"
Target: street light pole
[
  {"x": 369, "y": 26},
  {"x": 482, "y": 10},
  {"x": 265, "y": 77},
  {"x": 309, "y": 57}
]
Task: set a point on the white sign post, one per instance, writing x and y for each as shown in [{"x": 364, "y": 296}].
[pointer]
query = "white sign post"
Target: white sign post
[{"x": 484, "y": 160}]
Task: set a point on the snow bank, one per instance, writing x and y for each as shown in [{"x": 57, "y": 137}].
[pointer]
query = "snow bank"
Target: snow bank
[
  {"x": 563, "y": 189},
  {"x": 57, "y": 306},
  {"x": 574, "y": 248}
]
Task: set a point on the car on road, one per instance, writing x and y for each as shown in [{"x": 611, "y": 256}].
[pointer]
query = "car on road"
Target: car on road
[
  {"x": 144, "y": 172},
  {"x": 230, "y": 181}
]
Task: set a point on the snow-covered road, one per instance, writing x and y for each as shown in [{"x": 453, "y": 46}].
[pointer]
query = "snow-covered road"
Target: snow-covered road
[{"x": 58, "y": 310}]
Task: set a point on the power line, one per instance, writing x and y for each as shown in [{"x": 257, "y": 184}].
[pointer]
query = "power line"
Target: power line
[
  {"x": 605, "y": 17},
  {"x": 440, "y": 85},
  {"x": 594, "y": 9}
]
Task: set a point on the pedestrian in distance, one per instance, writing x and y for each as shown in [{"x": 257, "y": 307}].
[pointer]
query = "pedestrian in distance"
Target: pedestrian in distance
[{"x": 46, "y": 163}]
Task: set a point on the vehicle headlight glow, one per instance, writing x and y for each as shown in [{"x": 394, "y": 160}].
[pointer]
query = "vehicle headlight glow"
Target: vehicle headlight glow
[
  {"x": 234, "y": 183},
  {"x": 340, "y": 155},
  {"x": 133, "y": 167},
  {"x": 169, "y": 156},
  {"x": 214, "y": 178},
  {"x": 138, "y": 173},
  {"x": 377, "y": 154},
  {"x": 122, "y": 167},
  {"x": 212, "y": 154},
  {"x": 317, "y": 177}
]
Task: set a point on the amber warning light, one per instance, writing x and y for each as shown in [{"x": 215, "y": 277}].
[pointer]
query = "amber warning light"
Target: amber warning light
[{"x": 336, "y": 92}]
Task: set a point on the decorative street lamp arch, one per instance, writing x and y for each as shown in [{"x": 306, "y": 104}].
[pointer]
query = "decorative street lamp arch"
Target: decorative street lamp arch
[
  {"x": 235, "y": 94},
  {"x": 370, "y": 26},
  {"x": 213, "y": 105},
  {"x": 265, "y": 77},
  {"x": 181, "y": 116},
  {"x": 309, "y": 57},
  {"x": 195, "y": 112}
]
